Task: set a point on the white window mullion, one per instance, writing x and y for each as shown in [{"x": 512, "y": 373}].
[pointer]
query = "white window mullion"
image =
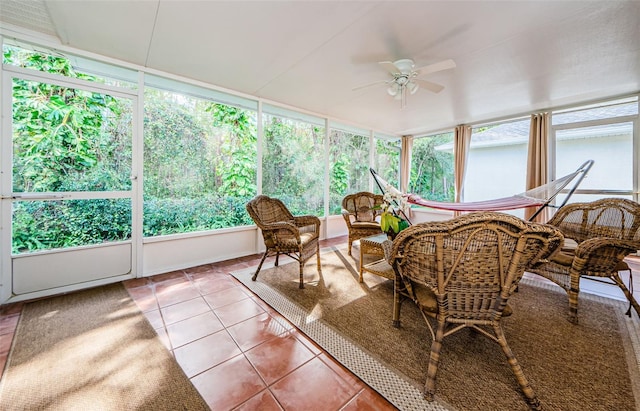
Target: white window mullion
[
  {"x": 372, "y": 154},
  {"x": 137, "y": 180},
  {"x": 259, "y": 148},
  {"x": 327, "y": 175},
  {"x": 636, "y": 155}
]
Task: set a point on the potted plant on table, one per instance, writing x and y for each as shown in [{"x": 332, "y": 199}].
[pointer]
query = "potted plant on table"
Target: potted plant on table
[{"x": 394, "y": 215}]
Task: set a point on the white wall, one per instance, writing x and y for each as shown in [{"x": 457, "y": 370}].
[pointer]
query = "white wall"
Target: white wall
[
  {"x": 423, "y": 215},
  {"x": 495, "y": 172},
  {"x": 165, "y": 254},
  {"x": 335, "y": 227},
  {"x": 177, "y": 252}
]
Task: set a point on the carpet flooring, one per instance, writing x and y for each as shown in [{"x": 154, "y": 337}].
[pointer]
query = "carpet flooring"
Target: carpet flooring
[
  {"x": 592, "y": 365},
  {"x": 92, "y": 350}
]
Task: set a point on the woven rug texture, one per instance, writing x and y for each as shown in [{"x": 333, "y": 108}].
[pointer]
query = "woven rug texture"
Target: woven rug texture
[
  {"x": 592, "y": 365},
  {"x": 92, "y": 350}
]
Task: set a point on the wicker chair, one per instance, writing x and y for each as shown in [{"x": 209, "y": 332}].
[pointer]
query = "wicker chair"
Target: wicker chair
[
  {"x": 461, "y": 273},
  {"x": 600, "y": 234},
  {"x": 360, "y": 212},
  {"x": 283, "y": 233}
]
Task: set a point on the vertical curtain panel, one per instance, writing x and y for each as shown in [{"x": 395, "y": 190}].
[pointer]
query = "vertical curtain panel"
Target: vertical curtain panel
[
  {"x": 461, "y": 143},
  {"x": 537, "y": 159},
  {"x": 405, "y": 162}
]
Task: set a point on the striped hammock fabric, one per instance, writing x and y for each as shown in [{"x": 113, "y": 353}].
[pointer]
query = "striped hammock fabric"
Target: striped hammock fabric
[
  {"x": 498, "y": 204},
  {"x": 536, "y": 197}
]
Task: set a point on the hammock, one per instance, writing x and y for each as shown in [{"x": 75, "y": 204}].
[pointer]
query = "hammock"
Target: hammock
[{"x": 540, "y": 196}]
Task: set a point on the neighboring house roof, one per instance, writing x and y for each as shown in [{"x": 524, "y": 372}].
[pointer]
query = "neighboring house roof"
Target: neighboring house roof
[{"x": 517, "y": 132}]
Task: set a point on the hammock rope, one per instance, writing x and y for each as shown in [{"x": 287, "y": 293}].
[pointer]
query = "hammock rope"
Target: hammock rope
[{"x": 540, "y": 196}]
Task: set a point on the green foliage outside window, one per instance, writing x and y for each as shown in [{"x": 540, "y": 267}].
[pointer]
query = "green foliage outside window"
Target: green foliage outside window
[
  {"x": 349, "y": 162},
  {"x": 432, "y": 168},
  {"x": 387, "y": 162},
  {"x": 293, "y": 164},
  {"x": 66, "y": 139},
  {"x": 39, "y": 225},
  {"x": 199, "y": 164},
  {"x": 200, "y": 161}
]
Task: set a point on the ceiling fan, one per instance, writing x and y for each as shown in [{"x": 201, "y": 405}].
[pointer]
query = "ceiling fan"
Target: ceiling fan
[{"x": 405, "y": 78}]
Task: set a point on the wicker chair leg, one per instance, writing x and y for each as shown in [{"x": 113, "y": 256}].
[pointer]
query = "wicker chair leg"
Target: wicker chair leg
[
  {"x": 533, "y": 401},
  {"x": 350, "y": 243},
  {"x": 400, "y": 294},
  {"x": 277, "y": 258},
  {"x": 301, "y": 275},
  {"x": 434, "y": 359},
  {"x": 318, "y": 258},
  {"x": 632, "y": 301},
  {"x": 397, "y": 303},
  {"x": 255, "y": 276},
  {"x": 573, "y": 305}
]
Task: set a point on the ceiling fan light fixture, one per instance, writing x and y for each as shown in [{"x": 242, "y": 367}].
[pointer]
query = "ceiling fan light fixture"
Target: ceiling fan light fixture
[
  {"x": 402, "y": 80},
  {"x": 405, "y": 78},
  {"x": 404, "y": 65}
]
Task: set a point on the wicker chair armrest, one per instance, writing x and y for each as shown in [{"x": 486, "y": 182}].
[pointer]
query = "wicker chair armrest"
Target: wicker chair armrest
[
  {"x": 347, "y": 215},
  {"x": 555, "y": 244},
  {"x": 601, "y": 254},
  {"x": 593, "y": 245},
  {"x": 286, "y": 228},
  {"x": 307, "y": 220}
]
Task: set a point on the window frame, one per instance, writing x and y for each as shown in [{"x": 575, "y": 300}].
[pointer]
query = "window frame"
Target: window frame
[{"x": 634, "y": 119}]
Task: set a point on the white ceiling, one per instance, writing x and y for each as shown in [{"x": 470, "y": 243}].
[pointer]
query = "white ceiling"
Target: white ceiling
[{"x": 513, "y": 57}]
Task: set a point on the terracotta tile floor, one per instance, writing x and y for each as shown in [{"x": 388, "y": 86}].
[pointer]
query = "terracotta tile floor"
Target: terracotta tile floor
[{"x": 238, "y": 352}]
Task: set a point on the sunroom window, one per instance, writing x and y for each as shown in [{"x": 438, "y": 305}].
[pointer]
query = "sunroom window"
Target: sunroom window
[
  {"x": 348, "y": 163},
  {"x": 432, "y": 167},
  {"x": 200, "y": 158},
  {"x": 386, "y": 160},
  {"x": 32, "y": 57},
  {"x": 497, "y": 164},
  {"x": 293, "y": 159},
  {"x": 603, "y": 133}
]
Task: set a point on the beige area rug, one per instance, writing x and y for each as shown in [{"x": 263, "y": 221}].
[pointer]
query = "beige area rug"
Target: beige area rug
[
  {"x": 92, "y": 350},
  {"x": 590, "y": 366}
]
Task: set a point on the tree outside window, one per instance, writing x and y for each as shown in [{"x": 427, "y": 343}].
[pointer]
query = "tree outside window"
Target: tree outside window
[
  {"x": 432, "y": 167},
  {"x": 293, "y": 163},
  {"x": 349, "y": 166}
]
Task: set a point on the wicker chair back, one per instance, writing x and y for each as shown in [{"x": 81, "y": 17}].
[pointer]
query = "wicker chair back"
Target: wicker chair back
[{"x": 461, "y": 272}]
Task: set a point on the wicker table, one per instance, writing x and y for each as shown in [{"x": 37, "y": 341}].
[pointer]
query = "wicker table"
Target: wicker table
[{"x": 373, "y": 246}]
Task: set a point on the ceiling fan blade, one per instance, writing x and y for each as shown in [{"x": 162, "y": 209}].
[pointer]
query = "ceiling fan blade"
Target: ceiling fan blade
[
  {"x": 369, "y": 85},
  {"x": 390, "y": 67},
  {"x": 433, "y": 87},
  {"x": 432, "y": 68}
]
